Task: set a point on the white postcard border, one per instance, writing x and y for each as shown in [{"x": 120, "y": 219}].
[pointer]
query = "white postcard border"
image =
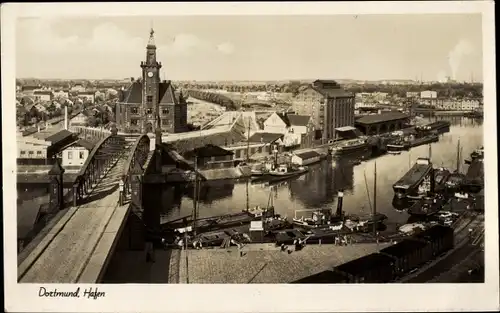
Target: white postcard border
[{"x": 246, "y": 298}]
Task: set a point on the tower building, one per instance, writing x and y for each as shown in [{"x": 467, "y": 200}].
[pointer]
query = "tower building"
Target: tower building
[{"x": 149, "y": 102}]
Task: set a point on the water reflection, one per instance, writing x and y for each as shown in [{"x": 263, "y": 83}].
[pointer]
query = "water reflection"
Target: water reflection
[
  {"x": 320, "y": 185},
  {"x": 318, "y": 188}
]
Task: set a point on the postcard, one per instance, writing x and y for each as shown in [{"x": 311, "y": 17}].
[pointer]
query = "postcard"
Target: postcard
[{"x": 249, "y": 157}]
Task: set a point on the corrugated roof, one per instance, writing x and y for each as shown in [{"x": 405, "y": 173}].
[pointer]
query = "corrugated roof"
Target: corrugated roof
[
  {"x": 265, "y": 137},
  {"x": 298, "y": 120},
  {"x": 383, "y": 117}
]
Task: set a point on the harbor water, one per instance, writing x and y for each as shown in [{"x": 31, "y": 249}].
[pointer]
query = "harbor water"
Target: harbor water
[{"x": 318, "y": 188}]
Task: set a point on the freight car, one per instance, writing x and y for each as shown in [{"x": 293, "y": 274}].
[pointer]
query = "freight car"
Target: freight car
[
  {"x": 440, "y": 238},
  {"x": 408, "y": 254},
  {"x": 325, "y": 277},
  {"x": 372, "y": 268},
  {"x": 392, "y": 262}
]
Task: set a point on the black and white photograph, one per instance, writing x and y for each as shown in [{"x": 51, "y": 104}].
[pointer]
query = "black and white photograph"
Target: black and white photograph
[{"x": 251, "y": 146}]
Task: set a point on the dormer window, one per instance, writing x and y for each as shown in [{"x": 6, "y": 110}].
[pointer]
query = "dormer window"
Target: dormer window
[
  {"x": 149, "y": 111},
  {"x": 149, "y": 99}
]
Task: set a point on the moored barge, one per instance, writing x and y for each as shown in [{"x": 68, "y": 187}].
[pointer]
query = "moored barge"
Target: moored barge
[
  {"x": 413, "y": 178},
  {"x": 439, "y": 126}
]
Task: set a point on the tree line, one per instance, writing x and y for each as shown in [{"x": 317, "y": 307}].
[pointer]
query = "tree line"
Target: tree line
[
  {"x": 446, "y": 90},
  {"x": 214, "y": 97}
]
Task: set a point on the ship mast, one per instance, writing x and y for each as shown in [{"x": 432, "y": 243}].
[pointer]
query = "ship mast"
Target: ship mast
[
  {"x": 375, "y": 200},
  {"x": 458, "y": 156}
]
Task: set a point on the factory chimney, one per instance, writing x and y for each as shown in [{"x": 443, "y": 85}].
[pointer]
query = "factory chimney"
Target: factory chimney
[{"x": 66, "y": 117}]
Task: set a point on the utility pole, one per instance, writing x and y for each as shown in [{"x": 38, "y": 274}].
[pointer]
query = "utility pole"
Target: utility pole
[
  {"x": 195, "y": 196},
  {"x": 248, "y": 142}
]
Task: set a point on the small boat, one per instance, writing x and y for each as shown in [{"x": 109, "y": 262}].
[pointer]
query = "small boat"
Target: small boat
[
  {"x": 349, "y": 147},
  {"x": 454, "y": 182},
  {"x": 426, "y": 207},
  {"x": 441, "y": 175},
  {"x": 476, "y": 154},
  {"x": 397, "y": 146},
  {"x": 285, "y": 172}
]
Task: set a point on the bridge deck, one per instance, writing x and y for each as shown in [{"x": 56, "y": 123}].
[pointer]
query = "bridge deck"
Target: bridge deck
[{"x": 77, "y": 248}]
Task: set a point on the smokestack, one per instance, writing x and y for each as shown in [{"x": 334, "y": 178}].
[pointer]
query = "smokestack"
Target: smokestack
[
  {"x": 66, "y": 117},
  {"x": 339, "y": 204},
  {"x": 38, "y": 128}
]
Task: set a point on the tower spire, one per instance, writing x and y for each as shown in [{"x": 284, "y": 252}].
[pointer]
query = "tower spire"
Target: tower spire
[{"x": 151, "y": 41}]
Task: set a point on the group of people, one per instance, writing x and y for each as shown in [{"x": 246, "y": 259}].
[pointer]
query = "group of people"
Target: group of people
[{"x": 299, "y": 244}]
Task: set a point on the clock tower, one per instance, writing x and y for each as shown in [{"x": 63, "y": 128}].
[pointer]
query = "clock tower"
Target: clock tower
[{"x": 150, "y": 87}]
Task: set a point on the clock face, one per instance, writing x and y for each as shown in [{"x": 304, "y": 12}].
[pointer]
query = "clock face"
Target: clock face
[{"x": 150, "y": 74}]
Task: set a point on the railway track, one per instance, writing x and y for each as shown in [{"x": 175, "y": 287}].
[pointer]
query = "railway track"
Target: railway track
[{"x": 469, "y": 220}]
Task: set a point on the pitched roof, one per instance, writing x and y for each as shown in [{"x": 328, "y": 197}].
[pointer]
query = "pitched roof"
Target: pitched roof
[
  {"x": 59, "y": 136},
  {"x": 383, "y": 117},
  {"x": 133, "y": 94},
  {"x": 298, "y": 120},
  {"x": 208, "y": 150},
  {"x": 328, "y": 88},
  {"x": 85, "y": 144},
  {"x": 265, "y": 137}
]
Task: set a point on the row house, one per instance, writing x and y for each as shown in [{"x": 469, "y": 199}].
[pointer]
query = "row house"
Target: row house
[
  {"x": 44, "y": 95},
  {"x": 458, "y": 104},
  {"x": 298, "y": 130}
]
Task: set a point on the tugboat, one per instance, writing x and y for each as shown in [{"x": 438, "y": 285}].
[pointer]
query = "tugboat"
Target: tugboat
[
  {"x": 358, "y": 145},
  {"x": 285, "y": 172},
  {"x": 397, "y": 146},
  {"x": 476, "y": 154}
]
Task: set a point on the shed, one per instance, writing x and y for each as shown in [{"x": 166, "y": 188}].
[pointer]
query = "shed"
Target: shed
[
  {"x": 381, "y": 118},
  {"x": 306, "y": 157},
  {"x": 207, "y": 151}
]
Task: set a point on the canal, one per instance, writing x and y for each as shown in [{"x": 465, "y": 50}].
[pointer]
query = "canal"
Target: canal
[{"x": 318, "y": 188}]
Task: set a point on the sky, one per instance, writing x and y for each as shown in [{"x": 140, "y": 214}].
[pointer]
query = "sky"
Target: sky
[{"x": 365, "y": 47}]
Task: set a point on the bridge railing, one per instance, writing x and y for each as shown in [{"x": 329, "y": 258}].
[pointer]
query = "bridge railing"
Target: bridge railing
[
  {"x": 102, "y": 157},
  {"x": 135, "y": 162}
]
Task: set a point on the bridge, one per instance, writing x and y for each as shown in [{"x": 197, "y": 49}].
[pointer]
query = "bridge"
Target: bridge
[{"x": 79, "y": 241}]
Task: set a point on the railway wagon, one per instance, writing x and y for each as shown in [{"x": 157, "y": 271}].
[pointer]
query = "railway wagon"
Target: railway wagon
[
  {"x": 370, "y": 269},
  {"x": 408, "y": 255},
  {"x": 325, "y": 277},
  {"x": 440, "y": 238}
]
